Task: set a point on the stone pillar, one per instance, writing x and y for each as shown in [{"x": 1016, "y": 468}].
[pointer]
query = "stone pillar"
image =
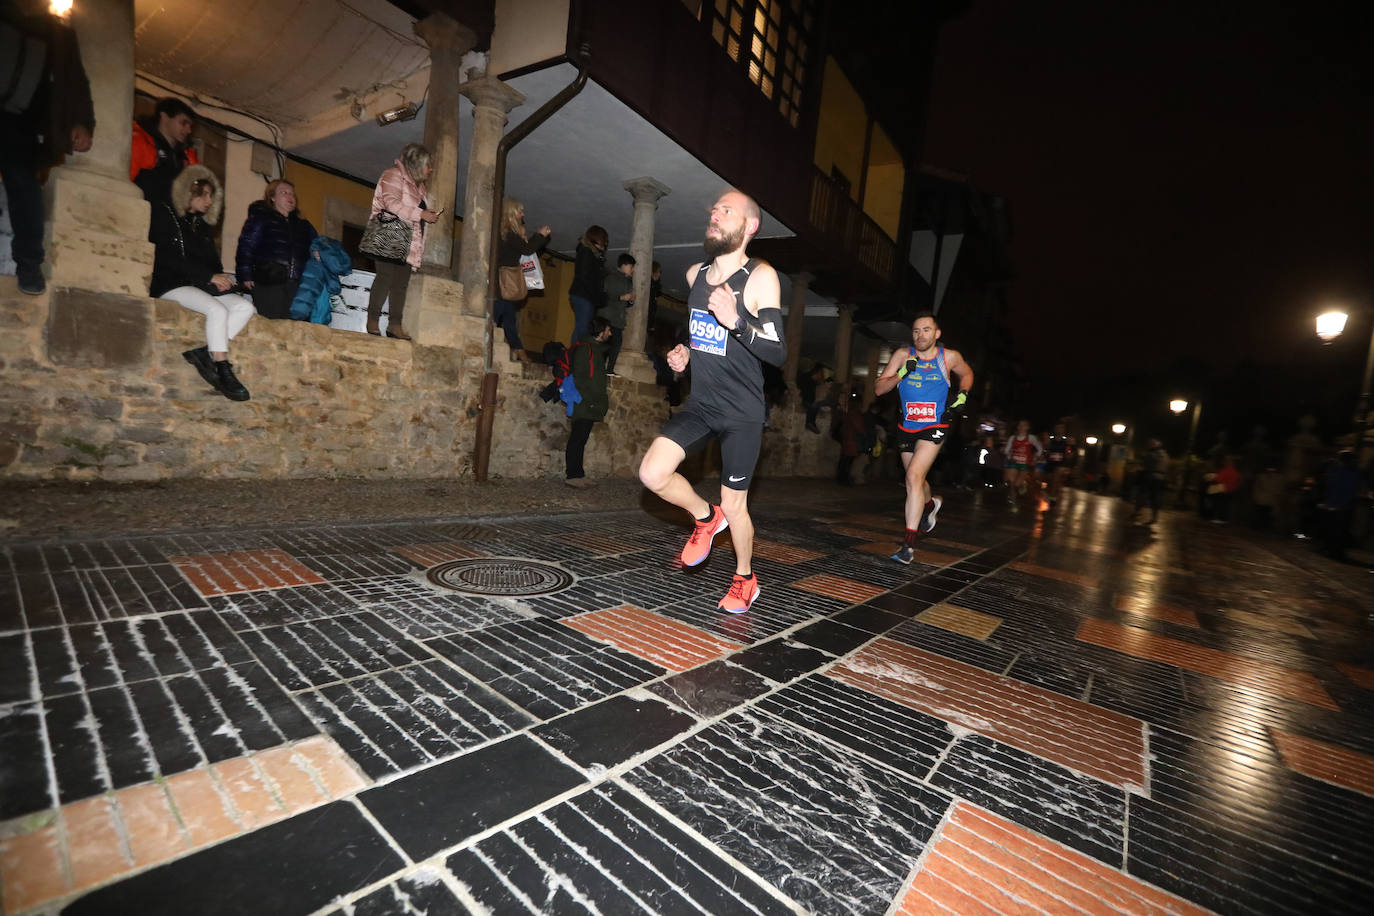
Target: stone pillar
[
  {"x": 491, "y": 101},
  {"x": 646, "y": 193},
  {"x": 448, "y": 41},
  {"x": 96, "y": 233},
  {"x": 793, "y": 329},
  {"x": 875, "y": 366},
  {"x": 844, "y": 341}
]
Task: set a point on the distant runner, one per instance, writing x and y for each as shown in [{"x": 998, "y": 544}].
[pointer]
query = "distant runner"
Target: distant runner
[
  {"x": 1023, "y": 451},
  {"x": 920, "y": 373}
]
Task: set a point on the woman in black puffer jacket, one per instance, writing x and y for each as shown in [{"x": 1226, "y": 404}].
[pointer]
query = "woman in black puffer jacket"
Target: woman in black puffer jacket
[
  {"x": 187, "y": 270},
  {"x": 273, "y": 246}
]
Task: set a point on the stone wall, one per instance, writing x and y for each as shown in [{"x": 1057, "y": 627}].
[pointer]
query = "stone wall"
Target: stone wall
[{"x": 94, "y": 387}]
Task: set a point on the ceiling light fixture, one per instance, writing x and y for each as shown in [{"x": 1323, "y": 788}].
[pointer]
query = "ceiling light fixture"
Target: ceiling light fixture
[{"x": 405, "y": 112}]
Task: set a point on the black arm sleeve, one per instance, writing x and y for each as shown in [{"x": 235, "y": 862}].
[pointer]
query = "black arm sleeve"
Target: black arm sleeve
[{"x": 762, "y": 336}]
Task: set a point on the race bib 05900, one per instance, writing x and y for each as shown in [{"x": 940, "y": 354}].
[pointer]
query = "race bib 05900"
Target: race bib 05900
[
  {"x": 921, "y": 412},
  {"x": 707, "y": 334}
]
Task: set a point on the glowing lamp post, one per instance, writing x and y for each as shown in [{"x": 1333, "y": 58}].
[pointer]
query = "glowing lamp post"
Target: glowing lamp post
[
  {"x": 1331, "y": 325},
  {"x": 1178, "y": 406},
  {"x": 1091, "y": 440},
  {"x": 1118, "y": 428}
]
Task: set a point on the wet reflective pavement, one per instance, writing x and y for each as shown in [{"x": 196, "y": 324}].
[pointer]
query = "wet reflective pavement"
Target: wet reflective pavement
[{"x": 1047, "y": 712}]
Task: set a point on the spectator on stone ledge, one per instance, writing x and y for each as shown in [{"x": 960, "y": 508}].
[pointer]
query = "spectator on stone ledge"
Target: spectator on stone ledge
[
  {"x": 401, "y": 190},
  {"x": 187, "y": 270},
  {"x": 161, "y": 149},
  {"x": 45, "y": 114},
  {"x": 273, "y": 246}
]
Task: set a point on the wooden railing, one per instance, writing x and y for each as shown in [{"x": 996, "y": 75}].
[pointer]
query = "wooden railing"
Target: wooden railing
[{"x": 847, "y": 229}]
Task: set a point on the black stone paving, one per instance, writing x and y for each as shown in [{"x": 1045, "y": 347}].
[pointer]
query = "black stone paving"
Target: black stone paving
[{"x": 521, "y": 765}]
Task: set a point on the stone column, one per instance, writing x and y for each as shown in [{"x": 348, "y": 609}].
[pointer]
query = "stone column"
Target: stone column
[
  {"x": 793, "y": 329},
  {"x": 448, "y": 41},
  {"x": 844, "y": 340},
  {"x": 491, "y": 101},
  {"x": 646, "y": 193},
  {"x": 96, "y": 233},
  {"x": 875, "y": 366}
]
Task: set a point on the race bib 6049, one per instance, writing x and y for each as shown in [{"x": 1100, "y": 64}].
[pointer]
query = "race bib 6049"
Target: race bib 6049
[
  {"x": 921, "y": 412},
  {"x": 707, "y": 334}
]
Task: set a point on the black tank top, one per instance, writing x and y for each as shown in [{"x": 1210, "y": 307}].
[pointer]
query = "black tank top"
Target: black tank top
[{"x": 727, "y": 380}]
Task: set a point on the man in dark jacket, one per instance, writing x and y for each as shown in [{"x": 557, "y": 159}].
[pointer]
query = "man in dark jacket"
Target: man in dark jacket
[
  {"x": 587, "y": 356},
  {"x": 161, "y": 149},
  {"x": 45, "y": 114}
]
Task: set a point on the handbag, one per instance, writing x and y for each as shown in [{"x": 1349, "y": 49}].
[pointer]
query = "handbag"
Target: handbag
[
  {"x": 511, "y": 284},
  {"x": 386, "y": 236}
]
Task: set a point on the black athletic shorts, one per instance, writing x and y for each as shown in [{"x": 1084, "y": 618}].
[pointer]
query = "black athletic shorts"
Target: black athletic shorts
[
  {"x": 739, "y": 443},
  {"x": 906, "y": 442}
]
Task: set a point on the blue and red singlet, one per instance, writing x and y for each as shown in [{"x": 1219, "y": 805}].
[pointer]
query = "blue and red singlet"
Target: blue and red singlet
[{"x": 923, "y": 392}]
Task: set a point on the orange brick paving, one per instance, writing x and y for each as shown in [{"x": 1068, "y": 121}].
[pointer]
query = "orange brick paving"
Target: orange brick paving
[
  {"x": 953, "y": 545},
  {"x": 31, "y": 869},
  {"x": 982, "y": 863},
  {"x": 869, "y": 534},
  {"x": 1049, "y": 572},
  {"x": 1156, "y": 611},
  {"x": 1361, "y": 676},
  {"x": 433, "y": 554},
  {"x": 243, "y": 571},
  {"x": 96, "y": 839},
  {"x": 673, "y": 644},
  {"x": 1256, "y": 675},
  {"x": 888, "y": 548},
  {"x": 1328, "y": 762},
  {"x": 839, "y": 587},
  {"x": 783, "y": 553},
  {"x": 1078, "y": 735}
]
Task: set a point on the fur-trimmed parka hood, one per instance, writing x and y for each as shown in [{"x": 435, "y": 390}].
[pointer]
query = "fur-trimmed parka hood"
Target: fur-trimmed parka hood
[{"x": 181, "y": 192}]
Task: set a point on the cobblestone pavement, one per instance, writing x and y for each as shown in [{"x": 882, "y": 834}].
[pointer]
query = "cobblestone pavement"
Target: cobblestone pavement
[{"x": 1047, "y": 712}]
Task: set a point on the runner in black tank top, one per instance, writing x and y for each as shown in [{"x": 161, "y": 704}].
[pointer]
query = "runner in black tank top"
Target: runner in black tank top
[{"x": 735, "y": 325}]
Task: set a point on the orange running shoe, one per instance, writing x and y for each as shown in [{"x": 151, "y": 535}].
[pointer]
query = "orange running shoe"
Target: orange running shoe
[
  {"x": 744, "y": 591},
  {"x": 699, "y": 544}
]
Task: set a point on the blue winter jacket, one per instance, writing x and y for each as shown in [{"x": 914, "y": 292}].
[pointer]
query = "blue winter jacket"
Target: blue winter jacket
[
  {"x": 327, "y": 263},
  {"x": 272, "y": 244}
]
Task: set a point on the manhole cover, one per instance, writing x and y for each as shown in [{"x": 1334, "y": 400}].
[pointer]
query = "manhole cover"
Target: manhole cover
[{"x": 489, "y": 576}]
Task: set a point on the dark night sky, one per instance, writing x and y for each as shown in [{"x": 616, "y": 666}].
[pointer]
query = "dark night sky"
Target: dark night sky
[{"x": 1184, "y": 178}]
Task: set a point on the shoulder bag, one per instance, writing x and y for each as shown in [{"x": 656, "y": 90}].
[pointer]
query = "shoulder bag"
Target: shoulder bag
[
  {"x": 510, "y": 283},
  {"x": 386, "y": 236}
]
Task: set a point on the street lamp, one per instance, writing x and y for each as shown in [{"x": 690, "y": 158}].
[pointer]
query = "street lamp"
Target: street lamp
[
  {"x": 1331, "y": 325},
  {"x": 1091, "y": 440},
  {"x": 1178, "y": 405},
  {"x": 1118, "y": 428}
]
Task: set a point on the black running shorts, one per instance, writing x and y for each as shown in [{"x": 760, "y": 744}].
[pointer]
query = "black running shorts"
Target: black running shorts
[
  {"x": 906, "y": 442},
  {"x": 739, "y": 443}
]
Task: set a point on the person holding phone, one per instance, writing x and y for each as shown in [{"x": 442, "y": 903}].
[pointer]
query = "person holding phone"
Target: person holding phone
[{"x": 401, "y": 190}]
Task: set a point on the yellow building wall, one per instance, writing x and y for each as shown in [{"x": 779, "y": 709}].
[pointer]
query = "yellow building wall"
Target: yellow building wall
[
  {"x": 886, "y": 176},
  {"x": 548, "y": 316},
  {"x": 840, "y": 127},
  {"x": 313, "y": 186}
]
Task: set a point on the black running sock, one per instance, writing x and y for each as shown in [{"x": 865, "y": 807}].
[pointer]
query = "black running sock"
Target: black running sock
[
  {"x": 710, "y": 513},
  {"x": 910, "y": 538},
  {"x": 930, "y": 504}
]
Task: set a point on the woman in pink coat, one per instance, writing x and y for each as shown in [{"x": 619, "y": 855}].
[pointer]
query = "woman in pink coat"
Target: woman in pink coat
[{"x": 401, "y": 189}]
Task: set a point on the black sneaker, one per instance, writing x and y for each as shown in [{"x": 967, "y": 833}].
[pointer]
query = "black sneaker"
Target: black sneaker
[
  {"x": 200, "y": 358},
  {"x": 30, "y": 277},
  {"x": 229, "y": 385}
]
